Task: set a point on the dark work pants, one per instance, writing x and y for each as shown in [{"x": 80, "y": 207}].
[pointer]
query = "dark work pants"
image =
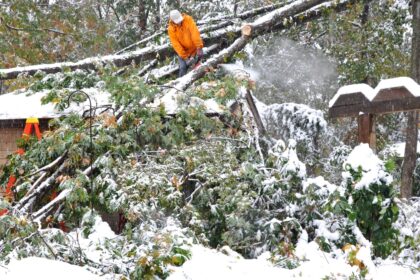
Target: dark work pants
[{"x": 182, "y": 67}]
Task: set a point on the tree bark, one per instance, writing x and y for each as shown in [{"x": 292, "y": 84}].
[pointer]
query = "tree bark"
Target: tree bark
[
  {"x": 410, "y": 154},
  {"x": 157, "y": 15},
  {"x": 142, "y": 14}
]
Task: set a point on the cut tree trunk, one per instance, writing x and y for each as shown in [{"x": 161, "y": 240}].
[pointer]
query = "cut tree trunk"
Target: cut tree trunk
[{"x": 410, "y": 153}]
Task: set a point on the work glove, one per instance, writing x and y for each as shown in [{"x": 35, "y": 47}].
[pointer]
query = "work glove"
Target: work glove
[{"x": 200, "y": 54}]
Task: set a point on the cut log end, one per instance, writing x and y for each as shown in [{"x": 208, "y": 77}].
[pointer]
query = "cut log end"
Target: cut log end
[{"x": 246, "y": 30}]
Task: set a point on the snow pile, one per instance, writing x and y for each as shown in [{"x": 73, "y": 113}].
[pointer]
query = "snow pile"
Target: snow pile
[
  {"x": 99, "y": 233},
  {"x": 314, "y": 264},
  {"x": 289, "y": 162},
  {"x": 45, "y": 269},
  {"x": 373, "y": 169}
]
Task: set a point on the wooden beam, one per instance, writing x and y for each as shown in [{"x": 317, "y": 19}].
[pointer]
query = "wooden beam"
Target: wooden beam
[
  {"x": 392, "y": 94},
  {"x": 346, "y": 111},
  {"x": 366, "y": 128},
  {"x": 376, "y": 107},
  {"x": 254, "y": 111},
  {"x": 400, "y": 97}
]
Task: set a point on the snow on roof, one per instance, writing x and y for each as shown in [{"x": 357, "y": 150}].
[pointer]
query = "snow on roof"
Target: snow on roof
[
  {"x": 406, "y": 82},
  {"x": 365, "y": 89},
  {"x": 23, "y": 105},
  {"x": 371, "y": 93}
]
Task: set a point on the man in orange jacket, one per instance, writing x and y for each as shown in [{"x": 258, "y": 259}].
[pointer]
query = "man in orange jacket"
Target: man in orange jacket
[{"x": 185, "y": 39}]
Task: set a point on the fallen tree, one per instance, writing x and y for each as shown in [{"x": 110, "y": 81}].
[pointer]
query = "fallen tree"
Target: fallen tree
[
  {"x": 262, "y": 25},
  {"x": 46, "y": 182},
  {"x": 259, "y": 27},
  {"x": 204, "y": 27}
]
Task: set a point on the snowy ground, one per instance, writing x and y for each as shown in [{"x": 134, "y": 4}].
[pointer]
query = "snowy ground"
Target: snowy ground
[
  {"x": 209, "y": 264},
  {"x": 39, "y": 268},
  {"x": 226, "y": 264}
]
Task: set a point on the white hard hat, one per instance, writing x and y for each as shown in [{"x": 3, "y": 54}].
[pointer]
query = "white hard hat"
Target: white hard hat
[{"x": 175, "y": 16}]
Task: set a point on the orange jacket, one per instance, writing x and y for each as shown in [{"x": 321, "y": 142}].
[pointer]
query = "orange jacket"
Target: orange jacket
[{"x": 185, "y": 38}]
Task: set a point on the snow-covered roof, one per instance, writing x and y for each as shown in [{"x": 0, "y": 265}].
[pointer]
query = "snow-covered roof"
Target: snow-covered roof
[
  {"x": 406, "y": 82},
  {"x": 364, "y": 89},
  {"x": 371, "y": 93},
  {"x": 23, "y": 105}
]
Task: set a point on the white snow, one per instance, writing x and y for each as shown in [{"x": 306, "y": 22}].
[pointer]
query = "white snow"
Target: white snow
[
  {"x": 363, "y": 156},
  {"x": 326, "y": 187},
  {"x": 45, "y": 269},
  {"x": 372, "y": 167},
  {"x": 276, "y": 13},
  {"x": 293, "y": 163},
  {"x": 314, "y": 264},
  {"x": 238, "y": 69},
  {"x": 390, "y": 270},
  {"x": 406, "y": 82},
  {"x": 90, "y": 60},
  {"x": 322, "y": 230},
  {"x": 371, "y": 93},
  {"x": 365, "y": 89},
  {"x": 398, "y": 149},
  {"x": 22, "y": 105},
  {"x": 100, "y": 233},
  {"x": 173, "y": 101}
]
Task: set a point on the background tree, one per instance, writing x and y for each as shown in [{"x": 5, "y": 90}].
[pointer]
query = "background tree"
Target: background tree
[{"x": 410, "y": 154}]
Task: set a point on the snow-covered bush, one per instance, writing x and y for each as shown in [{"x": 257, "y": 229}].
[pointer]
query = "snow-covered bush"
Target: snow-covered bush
[
  {"x": 145, "y": 251},
  {"x": 369, "y": 199},
  {"x": 213, "y": 188},
  {"x": 408, "y": 224},
  {"x": 416, "y": 187},
  {"x": 298, "y": 122},
  {"x": 332, "y": 162}
]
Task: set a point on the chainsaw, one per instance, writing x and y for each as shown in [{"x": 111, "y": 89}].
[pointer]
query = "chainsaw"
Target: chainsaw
[{"x": 194, "y": 62}]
